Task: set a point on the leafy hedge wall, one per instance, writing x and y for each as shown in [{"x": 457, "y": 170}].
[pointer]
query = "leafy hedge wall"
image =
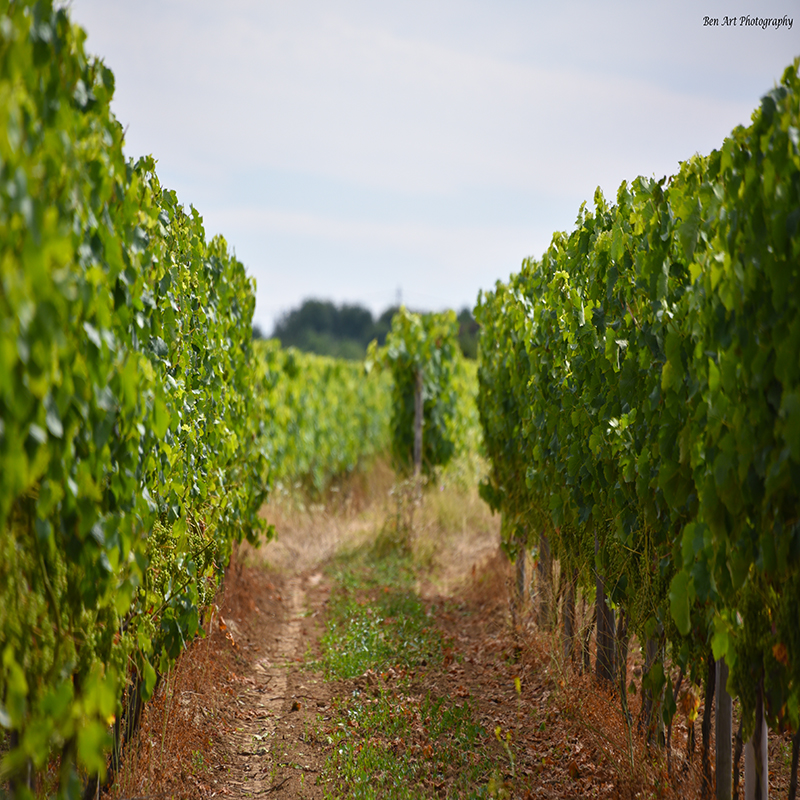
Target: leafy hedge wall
[
  {"x": 127, "y": 409},
  {"x": 323, "y": 417},
  {"x": 642, "y": 381}
]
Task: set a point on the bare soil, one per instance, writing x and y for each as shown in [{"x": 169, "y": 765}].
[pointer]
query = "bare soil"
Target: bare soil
[{"x": 240, "y": 715}]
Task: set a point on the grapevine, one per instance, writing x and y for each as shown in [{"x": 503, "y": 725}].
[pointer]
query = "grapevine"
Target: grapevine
[
  {"x": 640, "y": 381},
  {"x": 128, "y": 425}
]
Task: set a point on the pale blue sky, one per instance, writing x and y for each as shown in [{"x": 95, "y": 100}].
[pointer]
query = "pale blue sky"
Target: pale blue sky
[{"x": 348, "y": 150}]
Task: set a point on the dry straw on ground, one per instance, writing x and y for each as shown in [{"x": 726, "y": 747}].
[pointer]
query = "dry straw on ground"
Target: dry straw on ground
[{"x": 570, "y": 736}]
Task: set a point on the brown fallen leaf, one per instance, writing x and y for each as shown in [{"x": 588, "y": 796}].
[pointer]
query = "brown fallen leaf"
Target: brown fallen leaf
[{"x": 573, "y": 769}]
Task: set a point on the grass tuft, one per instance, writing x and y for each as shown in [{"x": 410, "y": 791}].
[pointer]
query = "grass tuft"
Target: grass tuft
[
  {"x": 376, "y": 620},
  {"x": 387, "y": 737},
  {"x": 399, "y": 745}
]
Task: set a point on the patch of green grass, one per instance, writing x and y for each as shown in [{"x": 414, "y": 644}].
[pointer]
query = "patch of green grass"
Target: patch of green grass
[
  {"x": 198, "y": 762},
  {"x": 399, "y": 746},
  {"x": 394, "y": 629},
  {"x": 376, "y": 621},
  {"x": 387, "y": 740},
  {"x": 384, "y": 564}
]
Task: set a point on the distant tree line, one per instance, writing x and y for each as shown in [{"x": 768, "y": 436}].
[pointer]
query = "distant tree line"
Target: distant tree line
[{"x": 320, "y": 326}]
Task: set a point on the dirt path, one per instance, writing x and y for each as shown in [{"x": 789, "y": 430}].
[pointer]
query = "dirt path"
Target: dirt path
[
  {"x": 261, "y": 703},
  {"x": 246, "y": 716},
  {"x": 273, "y": 623},
  {"x": 276, "y": 745}
]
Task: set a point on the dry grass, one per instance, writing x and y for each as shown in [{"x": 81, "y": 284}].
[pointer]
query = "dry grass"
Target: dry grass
[
  {"x": 573, "y": 734},
  {"x": 450, "y": 531},
  {"x": 178, "y": 740},
  {"x": 308, "y": 534},
  {"x": 454, "y": 532}
]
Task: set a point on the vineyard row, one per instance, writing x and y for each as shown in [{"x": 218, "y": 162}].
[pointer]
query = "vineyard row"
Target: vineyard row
[
  {"x": 640, "y": 402},
  {"x": 140, "y": 430}
]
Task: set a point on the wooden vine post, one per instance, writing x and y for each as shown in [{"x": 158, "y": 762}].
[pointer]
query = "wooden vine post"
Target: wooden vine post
[
  {"x": 710, "y": 689},
  {"x": 544, "y": 570},
  {"x": 604, "y": 661},
  {"x": 418, "y": 427},
  {"x": 520, "y": 568},
  {"x": 724, "y": 733},
  {"x": 756, "y": 771},
  {"x": 517, "y": 592},
  {"x": 569, "y": 617}
]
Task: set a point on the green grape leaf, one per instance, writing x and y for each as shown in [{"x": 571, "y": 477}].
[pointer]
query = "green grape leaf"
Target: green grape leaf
[{"x": 681, "y": 598}]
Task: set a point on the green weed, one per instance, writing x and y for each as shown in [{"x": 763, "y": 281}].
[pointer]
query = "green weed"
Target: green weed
[
  {"x": 376, "y": 621},
  {"x": 389, "y": 739},
  {"x": 397, "y": 745}
]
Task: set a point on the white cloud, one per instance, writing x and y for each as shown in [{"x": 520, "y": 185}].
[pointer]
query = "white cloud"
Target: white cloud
[
  {"x": 520, "y": 101},
  {"x": 342, "y": 100}
]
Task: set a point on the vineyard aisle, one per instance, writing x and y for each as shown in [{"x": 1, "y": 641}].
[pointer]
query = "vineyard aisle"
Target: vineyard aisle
[
  {"x": 255, "y": 710},
  {"x": 328, "y": 675}
]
